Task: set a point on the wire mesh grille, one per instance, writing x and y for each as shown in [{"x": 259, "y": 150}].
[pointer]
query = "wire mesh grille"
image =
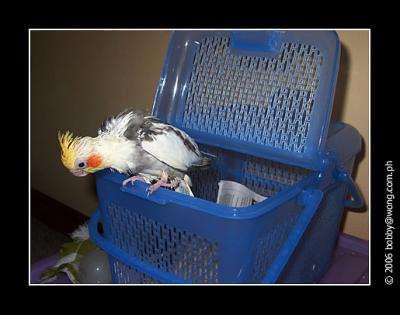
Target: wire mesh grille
[
  {"x": 172, "y": 250},
  {"x": 268, "y": 177},
  {"x": 255, "y": 99}
]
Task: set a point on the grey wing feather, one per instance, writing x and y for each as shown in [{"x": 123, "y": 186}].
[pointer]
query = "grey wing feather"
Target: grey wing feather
[{"x": 168, "y": 144}]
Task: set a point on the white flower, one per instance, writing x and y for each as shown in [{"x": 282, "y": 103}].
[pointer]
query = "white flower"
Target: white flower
[{"x": 81, "y": 233}]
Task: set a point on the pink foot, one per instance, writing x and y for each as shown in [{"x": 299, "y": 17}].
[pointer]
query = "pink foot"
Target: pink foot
[
  {"x": 162, "y": 183},
  {"x": 133, "y": 179}
]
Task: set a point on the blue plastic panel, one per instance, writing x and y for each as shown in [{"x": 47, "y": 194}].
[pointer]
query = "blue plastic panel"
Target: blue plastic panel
[
  {"x": 313, "y": 254},
  {"x": 264, "y": 93}
]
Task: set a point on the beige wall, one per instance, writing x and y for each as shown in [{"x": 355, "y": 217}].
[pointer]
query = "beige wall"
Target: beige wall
[
  {"x": 79, "y": 77},
  {"x": 352, "y": 106}
]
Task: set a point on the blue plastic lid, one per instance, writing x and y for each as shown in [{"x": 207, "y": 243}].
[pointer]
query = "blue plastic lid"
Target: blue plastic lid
[{"x": 264, "y": 93}]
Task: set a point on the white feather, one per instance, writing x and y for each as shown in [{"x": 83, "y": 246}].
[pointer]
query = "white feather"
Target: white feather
[
  {"x": 116, "y": 126},
  {"x": 120, "y": 152}
]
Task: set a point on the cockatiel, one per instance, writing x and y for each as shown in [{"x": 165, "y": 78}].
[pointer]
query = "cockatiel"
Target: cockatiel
[{"x": 134, "y": 145}]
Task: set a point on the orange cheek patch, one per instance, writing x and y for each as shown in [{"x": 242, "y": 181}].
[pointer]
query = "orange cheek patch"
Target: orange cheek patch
[{"x": 94, "y": 161}]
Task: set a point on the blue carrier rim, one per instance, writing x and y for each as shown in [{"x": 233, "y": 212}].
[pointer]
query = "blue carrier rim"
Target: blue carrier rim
[{"x": 165, "y": 196}]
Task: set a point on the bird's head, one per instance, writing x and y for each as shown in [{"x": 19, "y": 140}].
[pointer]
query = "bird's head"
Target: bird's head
[{"x": 79, "y": 155}]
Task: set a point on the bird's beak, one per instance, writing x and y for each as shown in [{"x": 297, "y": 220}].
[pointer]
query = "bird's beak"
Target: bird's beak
[{"x": 79, "y": 173}]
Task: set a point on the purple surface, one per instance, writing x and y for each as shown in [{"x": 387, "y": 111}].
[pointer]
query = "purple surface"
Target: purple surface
[
  {"x": 349, "y": 264},
  {"x": 40, "y": 266}
]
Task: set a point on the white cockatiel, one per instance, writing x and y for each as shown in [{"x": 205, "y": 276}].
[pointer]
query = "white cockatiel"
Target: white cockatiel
[{"x": 134, "y": 145}]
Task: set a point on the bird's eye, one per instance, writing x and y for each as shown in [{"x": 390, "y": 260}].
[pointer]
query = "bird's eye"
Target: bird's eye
[{"x": 81, "y": 164}]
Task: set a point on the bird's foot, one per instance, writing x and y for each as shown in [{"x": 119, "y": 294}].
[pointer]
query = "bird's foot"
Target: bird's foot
[
  {"x": 133, "y": 179},
  {"x": 163, "y": 182}
]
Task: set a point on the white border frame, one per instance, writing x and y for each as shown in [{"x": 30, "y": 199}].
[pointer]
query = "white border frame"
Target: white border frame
[{"x": 202, "y": 29}]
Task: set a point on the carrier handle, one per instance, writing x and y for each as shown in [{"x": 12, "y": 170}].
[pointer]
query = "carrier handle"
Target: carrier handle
[
  {"x": 132, "y": 261},
  {"x": 311, "y": 200},
  {"x": 357, "y": 201},
  {"x": 257, "y": 41}
]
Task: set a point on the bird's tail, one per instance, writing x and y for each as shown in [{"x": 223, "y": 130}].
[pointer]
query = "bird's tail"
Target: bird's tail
[{"x": 205, "y": 160}]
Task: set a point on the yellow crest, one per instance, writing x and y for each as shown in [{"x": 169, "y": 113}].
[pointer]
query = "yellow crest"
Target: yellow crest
[{"x": 68, "y": 148}]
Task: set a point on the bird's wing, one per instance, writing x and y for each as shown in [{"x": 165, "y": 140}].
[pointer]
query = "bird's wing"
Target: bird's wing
[
  {"x": 168, "y": 144},
  {"x": 123, "y": 124}
]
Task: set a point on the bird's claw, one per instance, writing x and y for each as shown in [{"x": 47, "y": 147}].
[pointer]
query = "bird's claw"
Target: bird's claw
[
  {"x": 132, "y": 179},
  {"x": 162, "y": 183}
]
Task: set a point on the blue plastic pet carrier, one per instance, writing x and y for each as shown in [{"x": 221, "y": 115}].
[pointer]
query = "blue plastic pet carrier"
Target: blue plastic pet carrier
[{"x": 260, "y": 103}]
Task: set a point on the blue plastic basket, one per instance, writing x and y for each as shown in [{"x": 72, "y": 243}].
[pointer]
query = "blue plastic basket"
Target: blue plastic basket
[{"x": 260, "y": 102}]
